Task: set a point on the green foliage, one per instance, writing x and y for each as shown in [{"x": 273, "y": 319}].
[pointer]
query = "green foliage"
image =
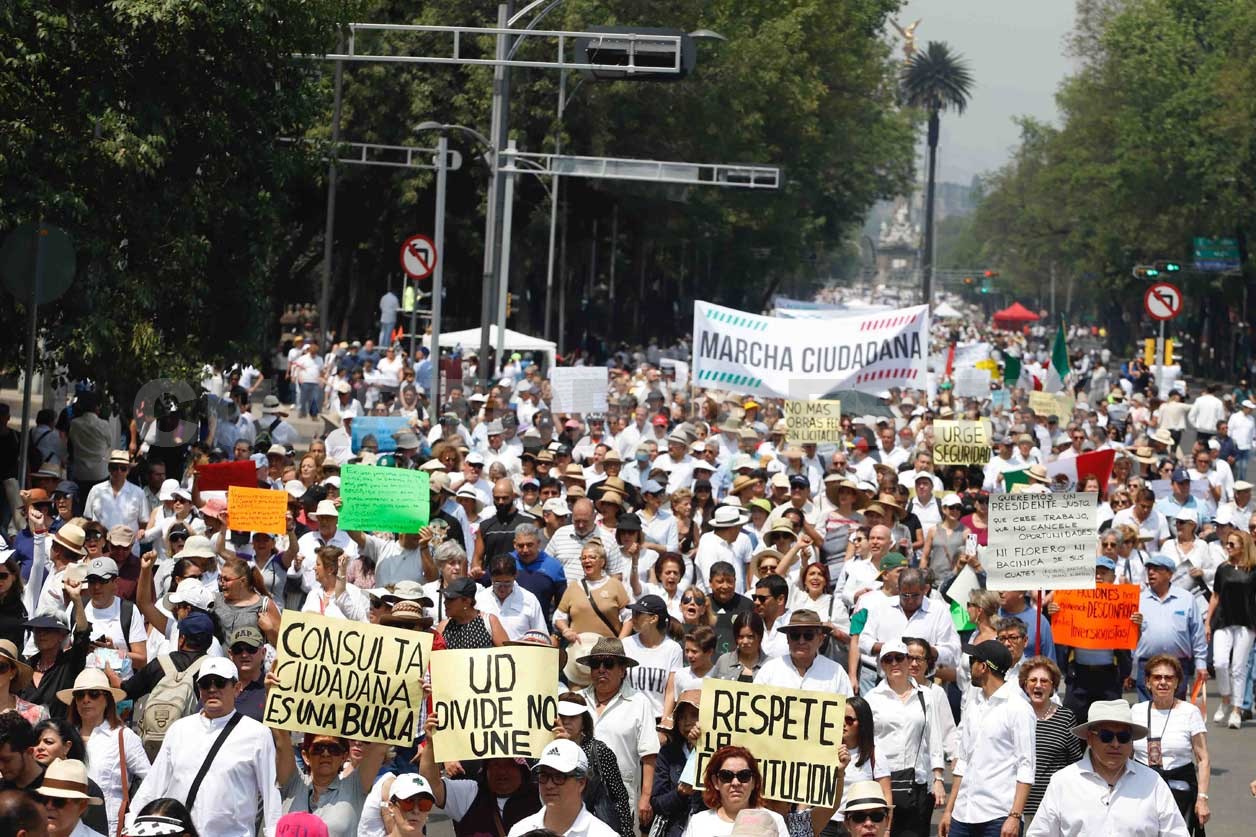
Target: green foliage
[{"x": 936, "y": 79}]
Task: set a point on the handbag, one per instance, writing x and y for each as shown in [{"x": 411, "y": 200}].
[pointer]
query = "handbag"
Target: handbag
[
  {"x": 605, "y": 621},
  {"x": 907, "y": 794}
]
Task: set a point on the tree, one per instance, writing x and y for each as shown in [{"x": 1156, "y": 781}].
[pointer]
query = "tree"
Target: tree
[{"x": 934, "y": 81}]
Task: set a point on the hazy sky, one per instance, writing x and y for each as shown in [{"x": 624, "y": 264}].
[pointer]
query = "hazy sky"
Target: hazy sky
[{"x": 1015, "y": 49}]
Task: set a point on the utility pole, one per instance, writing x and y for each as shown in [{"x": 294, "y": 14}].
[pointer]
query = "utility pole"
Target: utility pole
[
  {"x": 329, "y": 232},
  {"x": 496, "y": 196}
]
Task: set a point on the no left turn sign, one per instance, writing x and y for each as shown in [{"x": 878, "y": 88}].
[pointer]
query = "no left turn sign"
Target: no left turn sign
[
  {"x": 418, "y": 257},
  {"x": 1162, "y": 301}
]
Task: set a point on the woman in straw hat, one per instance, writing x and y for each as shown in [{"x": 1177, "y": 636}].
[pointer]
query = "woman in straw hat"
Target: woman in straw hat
[
  {"x": 15, "y": 677},
  {"x": 115, "y": 753}
]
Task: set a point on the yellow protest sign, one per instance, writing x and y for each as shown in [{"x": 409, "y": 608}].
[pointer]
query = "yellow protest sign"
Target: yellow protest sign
[
  {"x": 350, "y": 679},
  {"x": 961, "y": 443},
  {"x": 1052, "y": 404},
  {"x": 813, "y": 421},
  {"x": 257, "y": 510},
  {"x": 794, "y": 735},
  {"x": 494, "y": 702}
]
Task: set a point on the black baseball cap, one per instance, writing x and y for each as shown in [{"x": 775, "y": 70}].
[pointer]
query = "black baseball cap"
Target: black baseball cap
[
  {"x": 993, "y": 654},
  {"x": 628, "y": 523},
  {"x": 650, "y": 604}
]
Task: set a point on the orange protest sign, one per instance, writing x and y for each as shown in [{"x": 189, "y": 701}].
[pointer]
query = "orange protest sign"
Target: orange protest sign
[
  {"x": 1098, "y": 618},
  {"x": 257, "y": 510}
]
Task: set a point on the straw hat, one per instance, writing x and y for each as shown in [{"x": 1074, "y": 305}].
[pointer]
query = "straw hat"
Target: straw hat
[
  {"x": 1109, "y": 712},
  {"x": 67, "y": 779},
  {"x": 1037, "y": 473},
  {"x": 90, "y": 679},
  {"x": 70, "y": 537},
  {"x": 865, "y": 796},
  {"x": 577, "y": 672},
  {"x": 22, "y": 678}
]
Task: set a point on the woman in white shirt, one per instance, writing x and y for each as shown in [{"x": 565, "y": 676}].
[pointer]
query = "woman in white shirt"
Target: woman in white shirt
[
  {"x": 859, "y": 739},
  {"x": 333, "y": 595},
  {"x": 1196, "y": 562},
  {"x": 733, "y": 784},
  {"x": 1176, "y": 745},
  {"x": 656, "y": 653},
  {"x": 671, "y": 574},
  {"x": 909, "y": 737},
  {"x": 922, "y": 658}
]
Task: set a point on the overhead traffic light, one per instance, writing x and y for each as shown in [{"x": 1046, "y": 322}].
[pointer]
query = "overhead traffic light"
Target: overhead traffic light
[
  {"x": 632, "y": 45},
  {"x": 1168, "y": 267},
  {"x": 991, "y": 274},
  {"x": 968, "y": 280},
  {"x": 1143, "y": 271}
]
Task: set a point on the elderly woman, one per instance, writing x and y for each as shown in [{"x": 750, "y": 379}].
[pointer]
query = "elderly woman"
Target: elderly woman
[
  {"x": 1176, "y": 746},
  {"x": 1055, "y": 744},
  {"x": 451, "y": 563},
  {"x": 597, "y": 604},
  {"x": 623, "y": 719},
  {"x": 334, "y": 799},
  {"x": 733, "y": 784},
  {"x": 332, "y": 594}
]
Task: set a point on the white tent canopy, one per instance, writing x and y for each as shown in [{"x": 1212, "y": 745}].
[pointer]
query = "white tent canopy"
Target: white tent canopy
[
  {"x": 945, "y": 311},
  {"x": 469, "y": 340}
]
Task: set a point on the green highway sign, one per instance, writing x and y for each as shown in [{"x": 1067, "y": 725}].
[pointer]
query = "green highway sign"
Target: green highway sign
[{"x": 1216, "y": 254}]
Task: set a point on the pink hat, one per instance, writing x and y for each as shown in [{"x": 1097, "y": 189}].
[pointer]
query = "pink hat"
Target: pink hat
[{"x": 300, "y": 824}]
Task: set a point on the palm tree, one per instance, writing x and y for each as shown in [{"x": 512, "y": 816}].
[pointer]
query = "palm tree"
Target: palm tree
[{"x": 935, "y": 80}]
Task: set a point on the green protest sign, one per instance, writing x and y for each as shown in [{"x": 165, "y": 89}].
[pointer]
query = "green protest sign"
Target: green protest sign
[{"x": 380, "y": 499}]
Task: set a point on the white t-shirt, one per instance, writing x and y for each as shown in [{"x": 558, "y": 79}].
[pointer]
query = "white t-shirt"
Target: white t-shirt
[
  {"x": 711, "y": 824},
  {"x": 110, "y": 618},
  {"x": 1174, "y": 728},
  {"x": 870, "y": 771},
  {"x": 653, "y": 667}
]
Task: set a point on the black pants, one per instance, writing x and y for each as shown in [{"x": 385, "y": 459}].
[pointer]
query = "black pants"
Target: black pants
[{"x": 1089, "y": 684}]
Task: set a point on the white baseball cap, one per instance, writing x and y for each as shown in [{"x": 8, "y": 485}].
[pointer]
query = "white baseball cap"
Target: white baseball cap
[
  {"x": 557, "y": 506},
  {"x": 410, "y": 785},
  {"x": 191, "y": 591},
  {"x": 564, "y": 756},
  {"x": 220, "y": 666}
]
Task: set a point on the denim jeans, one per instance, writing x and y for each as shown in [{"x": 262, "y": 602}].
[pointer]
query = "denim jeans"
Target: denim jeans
[
  {"x": 979, "y": 829},
  {"x": 311, "y": 399}
]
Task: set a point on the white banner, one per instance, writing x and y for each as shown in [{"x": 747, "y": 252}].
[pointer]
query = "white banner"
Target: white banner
[
  {"x": 790, "y": 358},
  {"x": 972, "y": 383},
  {"x": 578, "y": 389},
  {"x": 1041, "y": 541}
]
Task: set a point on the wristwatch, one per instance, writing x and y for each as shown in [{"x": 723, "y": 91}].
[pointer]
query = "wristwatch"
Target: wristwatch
[{"x": 1202, "y": 795}]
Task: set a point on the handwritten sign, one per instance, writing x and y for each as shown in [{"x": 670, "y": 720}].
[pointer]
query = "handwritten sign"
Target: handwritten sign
[
  {"x": 257, "y": 510},
  {"x": 349, "y": 679},
  {"x": 960, "y": 443},
  {"x": 219, "y": 476},
  {"x": 793, "y": 733},
  {"x": 494, "y": 702},
  {"x": 578, "y": 389},
  {"x": 381, "y": 428},
  {"x": 380, "y": 499},
  {"x": 1098, "y": 618},
  {"x": 813, "y": 421},
  {"x": 972, "y": 383},
  {"x": 1000, "y": 399},
  {"x": 1041, "y": 541},
  {"x": 1051, "y": 404}
]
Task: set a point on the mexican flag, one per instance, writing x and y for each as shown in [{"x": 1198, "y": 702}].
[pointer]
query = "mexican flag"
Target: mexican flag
[
  {"x": 1058, "y": 370},
  {"x": 1070, "y": 473},
  {"x": 1015, "y": 374}
]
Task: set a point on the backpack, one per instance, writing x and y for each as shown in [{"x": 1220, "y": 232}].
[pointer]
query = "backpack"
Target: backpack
[
  {"x": 263, "y": 441},
  {"x": 173, "y": 697},
  {"x": 34, "y": 456}
]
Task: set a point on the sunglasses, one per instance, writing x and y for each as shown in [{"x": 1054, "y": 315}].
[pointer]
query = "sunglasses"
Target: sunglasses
[
  {"x": 893, "y": 658},
  {"x": 5, "y": 576},
  {"x": 743, "y": 776},
  {"x": 851, "y": 719},
  {"x": 860, "y": 817},
  {"x": 5, "y": 668},
  {"x": 212, "y": 681},
  {"x": 241, "y": 648},
  {"x": 698, "y": 600},
  {"x": 119, "y": 467},
  {"x": 423, "y": 803},
  {"x": 602, "y": 662},
  {"x": 802, "y": 636},
  {"x": 1107, "y": 736},
  {"x": 56, "y": 802},
  {"x": 95, "y": 579},
  {"x": 326, "y": 748},
  {"x": 91, "y": 694},
  {"x": 93, "y": 536},
  {"x": 377, "y": 602},
  {"x": 759, "y": 597}
]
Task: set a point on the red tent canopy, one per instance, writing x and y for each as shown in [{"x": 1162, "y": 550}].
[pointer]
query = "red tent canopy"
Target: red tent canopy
[{"x": 1014, "y": 315}]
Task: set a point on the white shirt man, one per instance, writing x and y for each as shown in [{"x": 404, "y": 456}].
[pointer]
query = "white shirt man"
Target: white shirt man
[
  {"x": 243, "y": 769},
  {"x": 519, "y": 612},
  {"x": 929, "y": 621},
  {"x": 1243, "y": 427},
  {"x": 712, "y": 548},
  {"x": 122, "y": 506},
  {"x": 823, "y": 675}
]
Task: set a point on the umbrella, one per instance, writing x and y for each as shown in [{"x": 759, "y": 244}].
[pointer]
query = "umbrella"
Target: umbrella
[{"x": 855, "y": 403}]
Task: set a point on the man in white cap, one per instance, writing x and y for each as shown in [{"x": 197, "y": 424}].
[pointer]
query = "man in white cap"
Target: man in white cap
[
  {"x": 328, "y": 533},
  {"x": 233, "y": 755},
  {"x": 676, "y": 463},
  {"x": 274, "y": 423},
  {"x": 1241, "y": 509},
  {"x": 1107, "y": 792},
  {"x": 561, "y": 776},
  {"x": 117, "y": 502},
  {"x": 116, "y": 622}
]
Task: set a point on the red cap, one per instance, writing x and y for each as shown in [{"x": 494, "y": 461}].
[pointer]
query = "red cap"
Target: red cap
[
  {"x": 861, "y": 442},
  {"x": 660, "y": 421}
]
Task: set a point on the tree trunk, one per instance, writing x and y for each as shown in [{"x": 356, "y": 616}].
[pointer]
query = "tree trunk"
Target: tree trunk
[{"x": 926, "y": 262}]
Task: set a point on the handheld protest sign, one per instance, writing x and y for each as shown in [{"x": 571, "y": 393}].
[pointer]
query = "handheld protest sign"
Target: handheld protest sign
[
  {"x": 818, "y": 420},
  {"x": 1041, "y": 541},
  {"x": 380, "y": 499},
  {"x": 348, "y": 679},
  {"x": 578, "y": 389},
  {"x": 960, "y": 443},
  {"x": 1098, "y": 618},
  {"x": 794, "y": 734},
  {"x": 257, "y": 510},
  {"x": 494, "y": 702}
]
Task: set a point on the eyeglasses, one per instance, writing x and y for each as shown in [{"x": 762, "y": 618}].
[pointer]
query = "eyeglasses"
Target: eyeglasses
[
  {"x": 915, "y": 658},
  {"x": 551, "y": 777},
  {"x": 802, "y": 636},
  {"x": 90, "y": 694},
  {"x": 1166, "y": 678},
  {"x": 602, "y": 662},
  {"x": 859, "y": 817},
  {"x": 1107, "y": 736},
  {"x": 326, "y": 748},
  {"x": 698, "y": 600},
  {"x": 212, "y": 681},
  {"x": 851, "y": 719},
  {"x": 56, "y": 802},
  {"x": 241, "y": 648},
  {"x": 743, "y": 776},
  {"x": 1005, "y": 639},
  {"x": 893, "y": 658},
  {"x": 423, "y": 803}
]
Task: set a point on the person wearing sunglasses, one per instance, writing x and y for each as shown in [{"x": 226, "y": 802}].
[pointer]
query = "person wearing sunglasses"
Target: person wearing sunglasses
[
  {"x": 323, "y": 792},
  {"x": 241, "y": 773},
  {"x": 410, "y": 799},
  {"x": 561, "y": 776},
  {"x": 803, "y": 667},
  {"x": 866, "y": 811},
  {"x": 1108, "y": 791},
  {"x": 733, "y": 784},
  {"x": 63, "y": 794},
  {"x": 1232, "y": 618}
]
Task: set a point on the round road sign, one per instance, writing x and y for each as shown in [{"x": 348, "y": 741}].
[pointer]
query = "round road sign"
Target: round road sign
[
  {"x": 1162, "y": 301},
  {"x": 17, "y": 262},
  {"x": 418, "y": 257}
]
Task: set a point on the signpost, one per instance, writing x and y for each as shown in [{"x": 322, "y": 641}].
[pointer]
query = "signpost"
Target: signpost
[
  {"x": 419, "y": 257},
  {"x": 1217, "y": 255},
  {"x": 1162, "y": 302}
]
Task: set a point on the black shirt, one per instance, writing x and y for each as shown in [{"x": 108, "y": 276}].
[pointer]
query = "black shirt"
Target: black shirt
[
  {"x": 60, "y": 676},
  {"x": 725, "y": 639},
  {"x": 499, "y": 534}
]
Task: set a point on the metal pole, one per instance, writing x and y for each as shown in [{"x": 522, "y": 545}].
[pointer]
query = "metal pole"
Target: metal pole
[
  {"x": 1055, "y": 315},
  {"x": 610, "y": 294},
  {"x": 1160, "y": 358},
  {"x": 32, "y": 322},
  {"x": 438, "y": 275},
  {"x": 414, "y": 310},
  {"x": 503, "y": 282},
  {"x": 554, "y": 186},
  {"x": 497, "y": 134},
  {"x": 329, "y": 232}
]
